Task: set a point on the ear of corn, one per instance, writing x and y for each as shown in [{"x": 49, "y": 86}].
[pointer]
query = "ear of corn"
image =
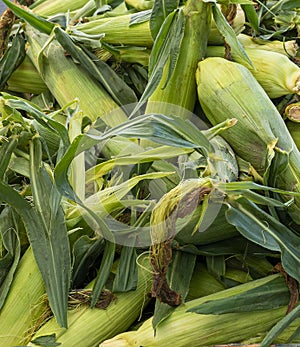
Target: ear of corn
[
  {"x": 18, "y": 81},
  {"x": 88, "y": 327},
  {"x": 129, "y": 54},
  {"x": 119, "y": 30},
  {"x": 140, "y": 5},
  {"x": 168, "y": 95},
  {"x": 24, "y": 304},
  {"x": 47, "y": 8},
  {"x": 228, "y": 89},
  {"x": 288, "y": 48},
  {"x": 186, "y": 328},
  {"x": 276, "y": 82},
  {"x": 68, "y": 82},
  {"x": 188, "y": 230},
  {"x": 122, "y": 31}
]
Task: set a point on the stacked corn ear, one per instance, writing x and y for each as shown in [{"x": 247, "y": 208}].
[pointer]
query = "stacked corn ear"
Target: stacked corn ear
[
  {"x": 228, "y": 89},
  {"x": 128, "y": 54},
  {"x": 67, "y": 81},
  {"x": 140, "y": 5},
  {"x": 289, "y": 48},
  {"x": 121, "y": 30},
  {"x": 260, "y": 137},
  {"x": 47, "y": 8},
  {"x": 170, "y": 94},
  {"x": 276, "y": 82},
  {"x": 188, "y": 326},
  {"x": 18, "y": 81},
  {"x": 188, "y": 230},
  {"x": 88, "y": 327},
  {"x": 25, "y": 307}
]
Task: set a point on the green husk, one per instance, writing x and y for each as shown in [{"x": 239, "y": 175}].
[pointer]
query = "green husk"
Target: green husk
[
  {"x": 140, "y": 5},
  {"x": 26, "y": 79},
  {"x": 276, "y": 82},
  {"x": 180, "y": 88},
  {"x": 50, "y": 8},
  {"x": 237, "y": 23},
  {"x": 68, "y": 82},
  {"x": 288, "y": 48},
  {"x": 119, "y": 30},
  {"x": 129, "y": 54},
  {"x": 228, "y": 89}
]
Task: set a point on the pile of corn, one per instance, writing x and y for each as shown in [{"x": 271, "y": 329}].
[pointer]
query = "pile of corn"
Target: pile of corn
[{"x": 149, "y": 173}]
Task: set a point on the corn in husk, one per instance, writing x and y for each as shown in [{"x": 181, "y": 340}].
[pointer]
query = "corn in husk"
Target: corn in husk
[
  {"x": 67, "y": 81},
  {"x": 129, "y": 54},
  {"x": 275, "y": 72},
  {"x": 49, "y": 8},
  {"x": 181, "y": 88},
  {"x": 88, "y": 327},
  {"x": 118, "y": 30},
  {"x": 228, "y": 89},
  {"x": 19, "y": 79},
  {"x": 140, "y": 5},
  {"x": 183, "y": 328},
  {"x": 288, "y": 48},
  {"x": 24, "y": 305}
]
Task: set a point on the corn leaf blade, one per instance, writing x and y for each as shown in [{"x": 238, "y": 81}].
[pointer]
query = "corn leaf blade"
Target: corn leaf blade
[
  {"x": 127, "y": 274},
  {"x": 273, "y": 294},
  {"x": 11, "y": 59},
  {"x": 280, "y": 327},
  {"x": 85, "y": 251},
  {"x": 6, "y": 151},
  {"x": 40, "y": 117},
  {"x": 38, "y": 239},
  {"x": 230, "y": 37},
  {"x": 161, "y": 9},
  {"x": 104, "y": 271},
  {"x": 251, "y": 16},
  {"x": 55, "y": 260},
  {"x": 167, "y": 41},
  {"x": 11, "y": 242},
  {"x": 263, "y": 229}
]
